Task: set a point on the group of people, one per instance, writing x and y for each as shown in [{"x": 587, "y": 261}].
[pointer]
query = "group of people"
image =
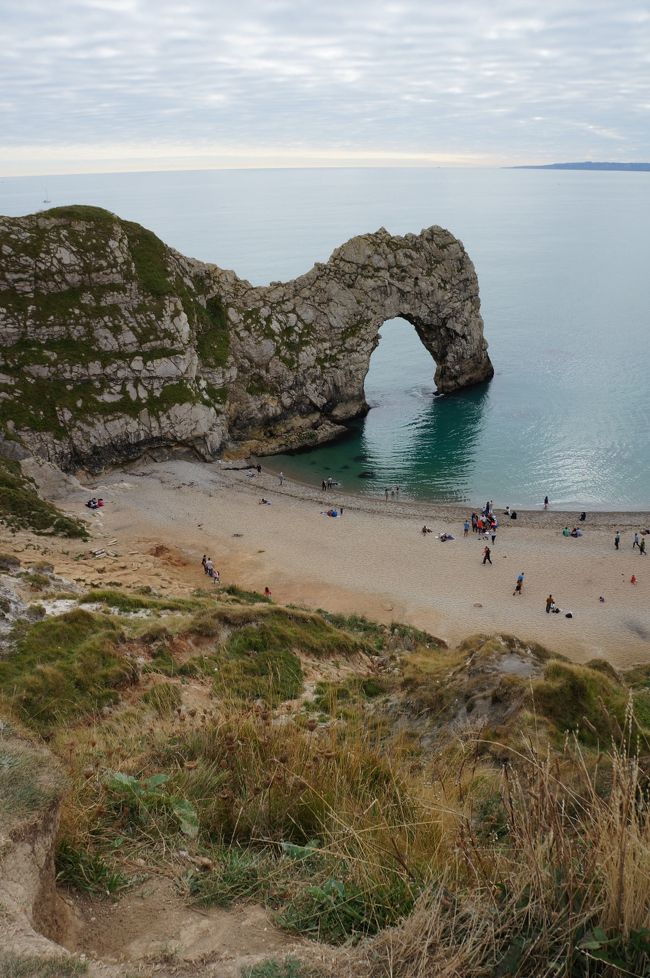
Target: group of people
[
  {"x": 394, "y": 493},
  {"x": 575, "y": 532},
  {"x": 485, "y": 524},
  {"x": 210, "y": 569},
  {"x": 95, "y": 503}
]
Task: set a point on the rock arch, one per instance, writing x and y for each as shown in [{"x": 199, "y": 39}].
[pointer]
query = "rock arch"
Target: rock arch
[
  {"x": 113, "y": 344},
  {"x": 313, "y": 337}
]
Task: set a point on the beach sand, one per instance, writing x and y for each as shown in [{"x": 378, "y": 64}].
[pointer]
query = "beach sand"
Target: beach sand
[{"x": 160, "y": 518}]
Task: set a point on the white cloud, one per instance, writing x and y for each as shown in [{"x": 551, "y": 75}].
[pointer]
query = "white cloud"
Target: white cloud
[{"x": 346, "y": 80}]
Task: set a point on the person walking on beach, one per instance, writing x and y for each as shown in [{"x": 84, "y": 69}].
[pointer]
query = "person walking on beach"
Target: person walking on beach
[
  {"x": 486, "y": 556},
  {"x": 493, "y": 535},
  {"x": 519, "y": 584},
  {"x": 617, "y": 540},
  {"x": 642, "y": 546},
  {"x": 386, "y": 491},
  {"x": 281, "y": 477},
  {"x": 636, "y": 542},
  {"x": 545, "y": 502},
  {"x": 204, "y": 562},
  {"x": 474, "y": 523},
  {"x": 465, "y": 528},
  {"x": 550, "y": 601}
]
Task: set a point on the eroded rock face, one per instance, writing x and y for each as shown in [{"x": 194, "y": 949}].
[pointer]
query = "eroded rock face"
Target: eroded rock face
[{"x": 114, "y": 345}]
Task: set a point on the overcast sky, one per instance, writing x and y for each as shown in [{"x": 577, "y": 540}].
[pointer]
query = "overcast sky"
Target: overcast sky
[{"x": 148, "y": 84}]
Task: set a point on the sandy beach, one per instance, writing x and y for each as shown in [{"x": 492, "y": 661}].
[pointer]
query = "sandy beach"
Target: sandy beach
[{"x": 160, "y": 518}]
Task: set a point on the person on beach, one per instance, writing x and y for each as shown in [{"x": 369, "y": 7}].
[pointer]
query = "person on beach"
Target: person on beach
[
  {"x": 203, "y": 563},
  {"x": 267, "y": 592},
  {"x": 465, "y": 528},
  {"x": 386, "y": 492},
  {"x": 617, "y": 540},
  {"x": 397, "y": 491},
  {"x": 506, "y": 511},
  {"x": 265, "y": 502},
  {"x": 281, "y": 477},
  {"x": 583, "y": 516},
  {"x": 519, "y": 584},
  {"x": 545, "y": 502},
  {"x": 642, "y": 546},
  {"x": 323, "y": 485},
  {"x": 636, "y": 542},
  {"x": 486, "y": 556},
  {"x": 474, "y": 519},
  {"x": 566, "y": 532},
  {"x": 550, "y": 601},
  {"x": 633, "y": 579},
  {"x": 426, "y": 529},
  {"x": 209, "y": 567},
  {"x": 259, "y": 468}
]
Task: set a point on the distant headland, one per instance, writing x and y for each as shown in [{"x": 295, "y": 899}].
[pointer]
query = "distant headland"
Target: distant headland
[{"x": 587, "y": 165}]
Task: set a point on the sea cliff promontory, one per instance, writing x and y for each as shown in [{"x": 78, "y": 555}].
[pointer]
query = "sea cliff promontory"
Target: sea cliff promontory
[{"x": 114, "y": 344}]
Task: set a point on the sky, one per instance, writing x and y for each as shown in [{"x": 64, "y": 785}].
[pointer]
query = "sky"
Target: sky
[{"x": 110, "y": 85}]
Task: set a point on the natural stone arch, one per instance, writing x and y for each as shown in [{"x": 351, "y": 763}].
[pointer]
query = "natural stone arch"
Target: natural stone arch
[
  {"x": 113, "y": 344},
  {"x": 328, "y": 320}
]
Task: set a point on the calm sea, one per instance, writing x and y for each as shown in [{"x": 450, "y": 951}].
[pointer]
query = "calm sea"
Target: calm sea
[{"x": 563, "y": 260}]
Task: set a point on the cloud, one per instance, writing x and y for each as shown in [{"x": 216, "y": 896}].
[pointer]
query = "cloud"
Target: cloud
[{"x": 414, "y": 79}]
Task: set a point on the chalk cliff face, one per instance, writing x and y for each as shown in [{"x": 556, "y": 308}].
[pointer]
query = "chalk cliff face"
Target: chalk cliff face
[{"x": 113, "y": 345}]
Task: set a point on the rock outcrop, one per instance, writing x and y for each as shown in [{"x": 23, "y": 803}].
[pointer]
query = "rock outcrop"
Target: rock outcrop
[{"x": 114, "y": 344}]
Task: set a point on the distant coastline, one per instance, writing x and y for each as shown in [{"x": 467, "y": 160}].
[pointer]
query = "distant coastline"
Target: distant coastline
[{"x": 587, "y": 165}]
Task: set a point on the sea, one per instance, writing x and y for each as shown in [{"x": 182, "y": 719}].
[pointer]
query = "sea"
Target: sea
[{"x": 563, "y": 262}]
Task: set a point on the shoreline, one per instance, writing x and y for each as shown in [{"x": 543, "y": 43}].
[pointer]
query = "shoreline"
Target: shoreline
[{"x": 624, "y": 518}]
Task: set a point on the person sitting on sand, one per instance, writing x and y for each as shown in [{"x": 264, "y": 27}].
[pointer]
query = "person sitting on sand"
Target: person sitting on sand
[
  {"x": 92, "y": 503},
  {"x": 575, "y": 532},
  {"x": 265, "y": 502},
  {"x": 566, "y": 532},
  {"x": 426, "y": 529},
  {"x": 443, "y": 537},
  {"x": 506, "y": 511}
]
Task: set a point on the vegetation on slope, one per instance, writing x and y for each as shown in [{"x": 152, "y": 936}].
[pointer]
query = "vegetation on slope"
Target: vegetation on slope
[
  {"x": 22, "y": 508},
  {"x": 476, "y": 811}
]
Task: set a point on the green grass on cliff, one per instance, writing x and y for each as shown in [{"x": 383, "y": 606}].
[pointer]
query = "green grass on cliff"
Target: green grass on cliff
[
  {"x": 22, "y": 508},
  {"x": 63, "y": 668}
]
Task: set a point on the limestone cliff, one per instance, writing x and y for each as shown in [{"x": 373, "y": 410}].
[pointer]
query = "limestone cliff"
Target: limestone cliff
[{"x": 113, "y": 344}]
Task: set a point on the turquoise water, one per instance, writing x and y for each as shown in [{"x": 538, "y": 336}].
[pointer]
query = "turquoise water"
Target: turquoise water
[{"x": 562, "y": 260}]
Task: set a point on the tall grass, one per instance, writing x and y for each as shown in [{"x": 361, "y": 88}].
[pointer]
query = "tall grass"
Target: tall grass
[{"x": 566, "y": 893}]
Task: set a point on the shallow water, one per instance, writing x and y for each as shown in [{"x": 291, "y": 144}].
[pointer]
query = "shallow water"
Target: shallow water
[{"x": 562, "y": 260}]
